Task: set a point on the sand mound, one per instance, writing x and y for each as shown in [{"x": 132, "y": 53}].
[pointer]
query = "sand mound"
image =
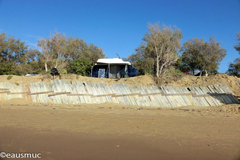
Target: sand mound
[
  {"x": 194, "y": 81},
  {"x": 147, "y": 80},
  {"x": 140, "y": 80}
]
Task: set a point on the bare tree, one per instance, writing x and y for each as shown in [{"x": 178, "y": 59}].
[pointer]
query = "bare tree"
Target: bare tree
[
  {"x": 59, "y": 46},
  {"x": 165, "y": 42},
  {"x": 60, "y": 50},
  {"x": 47, "y": 51}
]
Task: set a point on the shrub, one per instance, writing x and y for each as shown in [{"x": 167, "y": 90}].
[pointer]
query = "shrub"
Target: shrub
[
  {"x": 168, "y": 76},
  {"x": 63, "y": 71},
  {"x": 80, "y": 66},
  {"x": 9, "y": 77},
  {"x": 174, "y": 72},
  {"x": 7, "y": 69}
]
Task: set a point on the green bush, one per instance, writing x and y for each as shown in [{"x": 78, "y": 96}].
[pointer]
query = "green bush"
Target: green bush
[
  {"x": 7, "y": 69},
  {"x": 63, "y": 71},
  {"x": 9, "y": 77},
  {"x": 169, "y": 76},
  {"x": 175, "y": 72},
  {"x": 80, "y": 66}
]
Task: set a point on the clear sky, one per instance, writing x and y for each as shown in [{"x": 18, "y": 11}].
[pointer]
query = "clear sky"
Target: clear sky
[{"x": 118, "y": 26}]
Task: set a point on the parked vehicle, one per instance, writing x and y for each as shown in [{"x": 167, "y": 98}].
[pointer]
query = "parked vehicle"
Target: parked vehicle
[
  {"x": 188, "y": 73},
  {"x": 113, "y": 68},
  {"x": 32, "y": 74}
]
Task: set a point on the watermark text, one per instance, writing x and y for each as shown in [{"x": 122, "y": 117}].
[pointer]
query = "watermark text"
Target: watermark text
[{"x": 20, "y": 155}]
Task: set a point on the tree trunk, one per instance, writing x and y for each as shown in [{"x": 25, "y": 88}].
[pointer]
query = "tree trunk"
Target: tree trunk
[
  {"x": 206, "y": 73},
  {"x": 200, "y": 73},
  {"x": 160, "y": 70},
  {"x": 46, "y": 69},
  {"x": 56, "y": 64},
  {"x": 157, "y": 70}
]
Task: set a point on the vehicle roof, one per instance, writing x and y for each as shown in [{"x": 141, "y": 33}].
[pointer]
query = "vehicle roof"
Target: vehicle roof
[{"x": 112, "y": 61}]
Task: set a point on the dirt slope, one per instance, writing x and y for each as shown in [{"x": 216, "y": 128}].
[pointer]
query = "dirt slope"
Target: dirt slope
[
  {"x": 194, "y": 81},
  {"x": 185, "y": 81}
]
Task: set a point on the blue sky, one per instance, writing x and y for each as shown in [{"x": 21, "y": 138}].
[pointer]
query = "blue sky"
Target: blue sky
[{"x": 118, "y": 26}]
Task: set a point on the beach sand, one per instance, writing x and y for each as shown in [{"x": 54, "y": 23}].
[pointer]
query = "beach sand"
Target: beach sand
[{"x": 112, "y": 131}]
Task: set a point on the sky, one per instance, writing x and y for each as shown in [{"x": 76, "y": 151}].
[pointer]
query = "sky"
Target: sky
[{"x": 118, "y": 26}]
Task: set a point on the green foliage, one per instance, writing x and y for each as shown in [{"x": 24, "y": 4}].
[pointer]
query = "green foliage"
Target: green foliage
[
  {"x": 56, "y": 51},
  {"x": 142, "y": 61},
  {"x": 234, "y": 68},
  {"x": 60, "y": 50},
  {"x": 80, "y": 66},
  {"x": 174, "y": 73},
  {"x": 9, "y": 77},
  {"x": 12, "y": 50},
  {"x": 179, "y": 64},
  {"x": 7, "y": 69},
  {"x": 63, "y": 71},
  {"x": 212, "y": 73},
  {"x": 201, "y": 55},
  {"x": 237, "y": 47}
]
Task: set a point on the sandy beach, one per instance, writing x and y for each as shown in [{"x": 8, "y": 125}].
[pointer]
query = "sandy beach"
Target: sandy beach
[{"x": 112, "y": 131}]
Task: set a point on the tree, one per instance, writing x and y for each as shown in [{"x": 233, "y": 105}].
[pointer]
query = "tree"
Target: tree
[
  {"x": 94, "y": 53},
  {"x": 54, "y": 48},
  {"x": 212, "y": 56},
  {"x": 7, "y": 69},
  {"x": 12, "y": 50},
  {"x": 201, "y": 55},
  {"x": 143, "y": 62},
  {"x": 179, "y": 64},
  {"x": 3, "y": 45},
  {"x": 60, "y": 50},
  {"x": 47, "y": 52},
  {"x": 234, "y": 68},
  {"x": 190, "y": 56},
  {"x": 164, "y": 42},
  {"x": 80, "y": 66},
  {"x": 18, "y": 55},
  {"x": 237, "y": 47},
  {"x": 32, "y": 55}
]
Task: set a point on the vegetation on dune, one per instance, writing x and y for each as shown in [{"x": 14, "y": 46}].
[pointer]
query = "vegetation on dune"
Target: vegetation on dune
[
  {"x": 16, "y": 58},
  {"x": 200, "y": 55},
  {"x": 160, "y": 54},
  {"x": 234, "y": 67}
]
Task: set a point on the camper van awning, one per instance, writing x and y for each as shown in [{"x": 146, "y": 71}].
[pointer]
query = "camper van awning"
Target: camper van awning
[{"x": 112, "y": 61}]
